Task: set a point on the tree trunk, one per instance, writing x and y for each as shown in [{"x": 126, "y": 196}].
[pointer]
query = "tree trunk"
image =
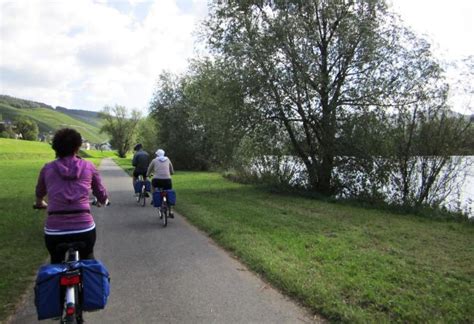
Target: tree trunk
[{"x": 325, "y": 175}]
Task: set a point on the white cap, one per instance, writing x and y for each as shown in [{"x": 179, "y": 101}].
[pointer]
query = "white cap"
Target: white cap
[{"x": 160, "y": 153}]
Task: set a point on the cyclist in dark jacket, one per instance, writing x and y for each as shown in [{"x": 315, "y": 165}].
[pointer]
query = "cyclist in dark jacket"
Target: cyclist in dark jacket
[{"x": 140, "y": 161}]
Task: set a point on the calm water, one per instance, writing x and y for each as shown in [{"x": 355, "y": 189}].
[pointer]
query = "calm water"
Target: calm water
[
  {"x": 467, "y": 190},
  {"x": 463, "y": 199}
]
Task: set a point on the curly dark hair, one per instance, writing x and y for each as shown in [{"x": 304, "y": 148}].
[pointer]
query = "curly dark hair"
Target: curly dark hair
[{"x": 66, "y": 142}]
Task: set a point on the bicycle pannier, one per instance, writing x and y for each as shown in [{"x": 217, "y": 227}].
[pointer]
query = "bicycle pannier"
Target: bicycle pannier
[
  {"x": 171, "y": 196},
  {"x": 137, "y": 186},
  {"x": 157, "y": 199},
  {"x": 47, "y": 291},
  {"x": 95, "y": 283},
  {"x": 147, "y": 186}
]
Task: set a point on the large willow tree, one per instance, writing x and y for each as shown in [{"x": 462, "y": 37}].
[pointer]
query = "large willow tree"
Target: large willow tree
[{"x": 313, "y": 65}]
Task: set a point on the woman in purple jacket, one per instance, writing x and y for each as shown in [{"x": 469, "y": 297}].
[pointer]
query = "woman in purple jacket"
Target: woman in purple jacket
[{"x": 67, "y": 182}]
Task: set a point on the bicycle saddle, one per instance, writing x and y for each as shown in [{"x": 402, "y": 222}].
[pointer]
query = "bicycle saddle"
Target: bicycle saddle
[{"x": 62, "y": 247}]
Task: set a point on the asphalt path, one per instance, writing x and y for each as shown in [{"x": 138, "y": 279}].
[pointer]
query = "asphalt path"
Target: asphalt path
[{"x": 170, "y": 275}]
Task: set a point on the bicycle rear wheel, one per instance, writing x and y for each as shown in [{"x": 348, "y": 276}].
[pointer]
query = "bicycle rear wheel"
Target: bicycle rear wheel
[
  {"x": 76, "y": 317},
  {"x": 164, "y": 214},
  {"x": 143, "y": 194},
  {"x": 139, "y": 197}
]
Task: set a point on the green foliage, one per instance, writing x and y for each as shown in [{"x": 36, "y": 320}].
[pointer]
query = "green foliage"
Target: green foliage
[
  {"x": 121, "y": 126},
  {"x": 264, "y": 157},
  {"x": 219, "y": 111},
  {"x": 181, "y": 140},
  {"x": 202, "y": 116},
  {"x": 27, "y": 128},
  {"x": 307, "y": 77},
  {"x": 148, "y": 135},
  {"x": 7, "y": 133},
  {"x": 426, "y": 140},
  {"x": 359, "y": 96}
]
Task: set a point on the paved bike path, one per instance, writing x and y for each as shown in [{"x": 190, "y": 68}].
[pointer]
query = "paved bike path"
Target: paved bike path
[{"x": 171, "y": 275}]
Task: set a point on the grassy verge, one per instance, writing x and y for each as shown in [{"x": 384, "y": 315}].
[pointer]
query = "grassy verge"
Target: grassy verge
[
  {"x": 125, "y": 163},
  {"x": 97, "y": 156},
  {"x": 347, "y": 263},
  {"x": 22, "y": 247}
]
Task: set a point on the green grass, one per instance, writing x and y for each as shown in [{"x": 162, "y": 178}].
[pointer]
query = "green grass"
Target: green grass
[
  {"x": 346, "y": 263},
  {"x": 97, "y": 156},
  {"x": 21, "y": 228},
  {"x": 22, "y": 247},
  {"x": 51, "y": 120},
  {"x": 125, "y": 163}
]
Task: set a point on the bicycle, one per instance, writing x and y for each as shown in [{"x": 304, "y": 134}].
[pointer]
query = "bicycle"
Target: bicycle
[
  {"x": 70, "y": 279},
  {"x": 164, "y": 210},
  {"x": 142, "y": 192}
]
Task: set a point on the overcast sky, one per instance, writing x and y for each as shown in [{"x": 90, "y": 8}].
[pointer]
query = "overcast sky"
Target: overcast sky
[{"x": 91, "y": 53}]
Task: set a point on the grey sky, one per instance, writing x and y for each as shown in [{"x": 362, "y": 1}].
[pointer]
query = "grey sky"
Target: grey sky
[{"x": 86, "y": 54}]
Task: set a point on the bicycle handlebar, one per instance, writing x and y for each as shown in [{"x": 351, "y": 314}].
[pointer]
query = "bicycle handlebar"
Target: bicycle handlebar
[{"x": 94, "y": 203}]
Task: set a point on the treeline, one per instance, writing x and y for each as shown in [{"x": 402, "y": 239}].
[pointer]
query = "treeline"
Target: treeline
[
  {"x": 339, "y": 90},
  {"x": 19, "y": 128}
]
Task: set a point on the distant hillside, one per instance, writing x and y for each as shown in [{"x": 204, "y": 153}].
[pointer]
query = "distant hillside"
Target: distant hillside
[
  {"x": 91, "y": 117},
  {"x": 50, "y": 119},
  {"x": 22, "y": 103},
  {"x": 457, "y": 115}
]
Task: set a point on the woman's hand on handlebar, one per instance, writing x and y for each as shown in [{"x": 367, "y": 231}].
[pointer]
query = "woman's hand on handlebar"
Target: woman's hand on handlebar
[
  {"x": 106, "y": 203},
  {"x": 40, "y": 204},
  {"x": 96, "y": 203}
]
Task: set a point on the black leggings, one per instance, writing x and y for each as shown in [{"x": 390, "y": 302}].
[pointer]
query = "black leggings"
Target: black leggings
[
  {"x": 164, "y": 184},
  {"x": 58, "y": 256}
]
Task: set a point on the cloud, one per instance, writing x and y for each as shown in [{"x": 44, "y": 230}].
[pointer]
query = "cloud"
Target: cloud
[
  {"x": 102, "y": 54},
  {"x": 32, "y": 76},
  {"x": 87, "y": 54},
  {"x": 449, "y": 27}
]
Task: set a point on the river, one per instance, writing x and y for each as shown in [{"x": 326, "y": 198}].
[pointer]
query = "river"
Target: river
[{"x": 462, "y": 199}]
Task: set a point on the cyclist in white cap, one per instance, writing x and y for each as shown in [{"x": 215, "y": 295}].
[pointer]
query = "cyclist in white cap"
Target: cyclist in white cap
[{"x": 162, "y": 169}]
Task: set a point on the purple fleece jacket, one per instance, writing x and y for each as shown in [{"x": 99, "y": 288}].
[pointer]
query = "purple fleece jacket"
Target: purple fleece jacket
[{"x": 67, "y": 183}]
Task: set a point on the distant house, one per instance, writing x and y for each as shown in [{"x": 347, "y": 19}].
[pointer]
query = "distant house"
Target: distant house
[
  {"x": 45, "y": 137},
  {"x": 86, "y": 145},
  {"x": 8, "y": 128},
  {"x": 6, "y": 124},
  {"x": 104, "y": 147}
]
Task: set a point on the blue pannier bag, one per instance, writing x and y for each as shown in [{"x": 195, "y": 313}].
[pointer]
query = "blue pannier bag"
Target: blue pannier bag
[
  {"x": 147, "y": 185},
  {"x": 138, "y": 186},
  {"x": 48, "y": 291},
  {"x": 171, "y": 196},
  {"x": 95, "y": 284},
  {"x": 157, "y": 199}
]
